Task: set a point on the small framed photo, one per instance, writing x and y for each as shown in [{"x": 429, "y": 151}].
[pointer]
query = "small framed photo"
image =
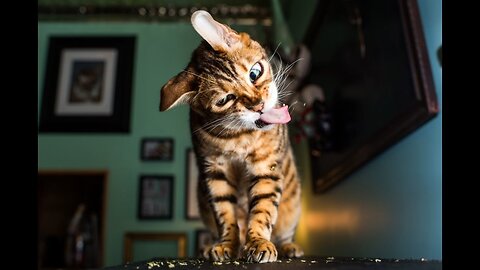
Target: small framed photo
[
  {"x": 88, "y": 84},
  {"x": 203, "y": 238},
  {"x": 191, "y": 204},
  {"x": 157, "y": 149},
  {"x": 155, "y": 197}
]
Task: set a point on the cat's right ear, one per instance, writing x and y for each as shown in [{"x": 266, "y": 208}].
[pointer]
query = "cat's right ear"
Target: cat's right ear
[
  {"x": 218, "y": 35},
  {"x": 178, "y": 90}
]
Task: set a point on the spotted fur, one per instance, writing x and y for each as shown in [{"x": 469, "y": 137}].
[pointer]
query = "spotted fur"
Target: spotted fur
[{"x": 249, "y": 190}]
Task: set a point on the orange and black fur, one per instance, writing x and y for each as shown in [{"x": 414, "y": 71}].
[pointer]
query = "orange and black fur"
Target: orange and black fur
[{"x": 249, "y": 190}]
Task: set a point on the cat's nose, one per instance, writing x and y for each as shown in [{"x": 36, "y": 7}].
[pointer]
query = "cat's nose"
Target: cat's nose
[{"x": 258, "y": 107}]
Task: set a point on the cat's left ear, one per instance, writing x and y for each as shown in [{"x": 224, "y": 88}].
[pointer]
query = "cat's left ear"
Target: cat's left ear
[
  {"x": 219, "y": 36},
  {"x": 178, "y": 90}
]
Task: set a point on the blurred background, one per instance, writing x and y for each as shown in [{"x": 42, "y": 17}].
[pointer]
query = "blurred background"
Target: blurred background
[{"x": 366, "y": 129}]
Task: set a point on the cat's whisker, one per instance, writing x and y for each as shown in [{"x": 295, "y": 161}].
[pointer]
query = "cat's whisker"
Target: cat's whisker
[
  {"x": 207, "y": 125},
  {"x": 280, "y": 79},
  {"x": 294, "y": 103},
  {"x": 227, "y": 127},
  {"x": 289, "y": 66},
  {"x": 203, "y": 78},
  {"x": 291, "y": 111},
  {"x": 234, "y": 126},
  {"x": 226, "y": 122},
  {"x": 281, "y": 76},
  {"x": 292, "y": 106},
  {"x": 211, "y": 125},
  {"x": 283, "y": 72},
  {"x": 294, "y": 62},
  {"x": 278, "y": 65},
  {"x": 274, "y": 52},
  {"x": 278, "y": 68},
  {"x": 286, "y": 87},
  {"x": 283, "y": 97},
  {"x": 223, "y": 124}
]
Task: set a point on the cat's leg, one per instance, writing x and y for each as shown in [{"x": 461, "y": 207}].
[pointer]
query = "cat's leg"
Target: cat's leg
[
  {"x": 263, "y": 204},
  {"x": 208, "y": 219},
  {"x": 264, "y": 194},
  {"x": 291, "y": 250},
  {"x": 222, "y": 201},
  {"x": 286, "y": 247},
  {"x": 288, "y": 213}
]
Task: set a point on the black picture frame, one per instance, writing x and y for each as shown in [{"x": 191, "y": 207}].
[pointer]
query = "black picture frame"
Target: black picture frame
[
  {"x": 88, "y": 84},
  {"x": 192, "y": 211},
  {"x": 379, "y": 97},
  {"x": 157, "y": 149},
  {"x": 155, "y": 199}
]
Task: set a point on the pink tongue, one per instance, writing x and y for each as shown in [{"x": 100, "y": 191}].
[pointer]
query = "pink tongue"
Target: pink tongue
[{"x": 276, "y": 116}]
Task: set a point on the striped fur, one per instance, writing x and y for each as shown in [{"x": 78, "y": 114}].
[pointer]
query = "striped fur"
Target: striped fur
[{"x": 249, "y": 190}]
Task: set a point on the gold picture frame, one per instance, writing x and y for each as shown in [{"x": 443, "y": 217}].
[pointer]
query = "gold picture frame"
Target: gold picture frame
[{"x": 131, "y": 237}]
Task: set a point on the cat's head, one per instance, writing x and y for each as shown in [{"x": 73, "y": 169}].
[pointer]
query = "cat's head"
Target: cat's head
[{"x": 229, "y": 80}]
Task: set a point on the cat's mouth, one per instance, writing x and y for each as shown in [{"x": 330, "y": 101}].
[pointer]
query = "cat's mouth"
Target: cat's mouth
[
  {"x": 260, "y": 123},
  {"x": 278, "y": 115}
]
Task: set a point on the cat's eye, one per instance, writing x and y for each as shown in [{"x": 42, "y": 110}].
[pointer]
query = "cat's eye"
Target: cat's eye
[
  {"x": 226, "y": 99},
  {"x": 255, "y": 72}
]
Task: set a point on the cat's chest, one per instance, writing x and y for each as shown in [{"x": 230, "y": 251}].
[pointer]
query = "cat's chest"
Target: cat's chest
[
  {"x": 240, "y": 147},
  {"x": 245, "y": 146}
]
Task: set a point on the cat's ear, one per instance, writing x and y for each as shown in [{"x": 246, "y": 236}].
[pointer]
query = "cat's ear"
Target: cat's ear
[
  {"x": 178, "y": 90},
  {"x": 219, "y": 36}
]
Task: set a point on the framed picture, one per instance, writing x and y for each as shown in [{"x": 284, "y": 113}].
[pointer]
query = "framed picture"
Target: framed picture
[
  {"x": 191, "y": 205},
  {"x": 140, "y": 246},
  {"x": 203, "y": 238},
  {"x": 155, "y": 197},
  {"x": 88, "y": 84},
  {"x": 377, "y": 80},
  {"x": 159, "y": 149}
]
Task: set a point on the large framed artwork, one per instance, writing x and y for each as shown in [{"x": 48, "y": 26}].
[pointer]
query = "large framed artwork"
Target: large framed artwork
[
  {"x": 370, "y": 59},
  {"x": 88, "y": 84}
]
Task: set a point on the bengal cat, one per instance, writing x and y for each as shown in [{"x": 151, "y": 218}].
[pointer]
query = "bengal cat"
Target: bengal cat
[{"x": 249, "y": 190}]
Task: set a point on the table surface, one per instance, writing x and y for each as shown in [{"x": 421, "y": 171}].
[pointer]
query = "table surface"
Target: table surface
[{"x": 285, "y": 264}]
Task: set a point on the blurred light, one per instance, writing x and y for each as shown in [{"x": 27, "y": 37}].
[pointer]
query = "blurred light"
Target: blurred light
[{"x": 345, "y": 220}]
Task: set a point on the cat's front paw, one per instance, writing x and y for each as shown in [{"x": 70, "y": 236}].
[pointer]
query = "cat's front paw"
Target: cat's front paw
[
  {"x": 261, "y": 251},
  {"x": 223, "y": 251},
  {"x": 291, "y": 250}
]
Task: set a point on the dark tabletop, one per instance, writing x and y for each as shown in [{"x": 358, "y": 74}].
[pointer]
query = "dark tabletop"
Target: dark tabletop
[{"x": 285, "y": 264}]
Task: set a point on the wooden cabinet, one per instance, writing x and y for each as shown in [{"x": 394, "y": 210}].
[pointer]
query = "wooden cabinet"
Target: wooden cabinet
[{"x": 71, "y": 210}]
